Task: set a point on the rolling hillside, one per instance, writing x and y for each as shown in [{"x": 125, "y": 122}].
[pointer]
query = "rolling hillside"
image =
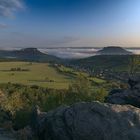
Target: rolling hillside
[
  {"x": 28, "y": 54},
  {"x": 103, "y": 62}
]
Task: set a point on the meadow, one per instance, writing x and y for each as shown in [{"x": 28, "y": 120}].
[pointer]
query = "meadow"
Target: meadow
[
  {"x": 40, "y": 74},
  {"x": 27, "y": 73}
]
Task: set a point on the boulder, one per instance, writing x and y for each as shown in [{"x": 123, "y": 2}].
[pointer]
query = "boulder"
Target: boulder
[
  {"x": 128, "y": 96},
  {"x": 90, "y": 121},
  {"x": 133, "y": 81}
]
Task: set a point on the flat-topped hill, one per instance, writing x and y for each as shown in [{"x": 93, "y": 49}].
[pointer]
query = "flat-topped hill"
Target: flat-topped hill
[
  {"x": 30, "y": 54},
  {"x": 114, "y": 50}
]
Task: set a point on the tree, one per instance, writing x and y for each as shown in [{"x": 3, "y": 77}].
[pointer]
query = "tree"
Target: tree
[
  {"x": 134, "y": 64},
  {"x": 12, "y": 103},
  {"x": 80, "y": 89}
]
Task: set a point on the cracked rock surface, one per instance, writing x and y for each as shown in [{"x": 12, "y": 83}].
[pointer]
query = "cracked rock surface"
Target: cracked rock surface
[{"x": 90, "y": 121}]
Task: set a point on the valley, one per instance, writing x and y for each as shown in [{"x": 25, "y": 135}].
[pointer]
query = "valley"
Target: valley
[
  {"x": 69, "y": 69},
  {"x": 33, "y": 78}
]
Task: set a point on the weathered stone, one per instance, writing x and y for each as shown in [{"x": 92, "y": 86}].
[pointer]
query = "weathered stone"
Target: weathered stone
[
  {"x": 129, "y": 96},
  {"x": 91, "y": 121},
  {"x": 134, "y": 80}
]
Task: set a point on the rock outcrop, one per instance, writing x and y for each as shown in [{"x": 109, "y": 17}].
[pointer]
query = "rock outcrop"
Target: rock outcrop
[
  {"x": 90, "y": 121},
  {"x": 115, "y": 120},
  {"x": 129, "y": 96}
]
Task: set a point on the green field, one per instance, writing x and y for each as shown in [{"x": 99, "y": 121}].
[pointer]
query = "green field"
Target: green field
[{"x": 41, "y": 74}]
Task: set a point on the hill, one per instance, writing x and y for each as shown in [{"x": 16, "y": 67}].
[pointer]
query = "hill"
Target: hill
[
  {"x": 113, "y": 50},
  {"x": 28, "y": 54},
  {"x": 104, "y": 66},
  {"x": 102, "y": 62}
]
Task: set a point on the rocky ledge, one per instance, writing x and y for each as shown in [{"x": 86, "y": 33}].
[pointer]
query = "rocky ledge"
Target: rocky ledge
[
  {"x": 128, "y": 96},
  {"x": 115, "y": 120},
  {"x": 88, "y": 121}
]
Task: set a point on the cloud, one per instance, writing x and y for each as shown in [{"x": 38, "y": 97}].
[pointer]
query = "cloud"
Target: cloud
[
  {"x": 9, "y": 7},
  {"x": 3, "y": 26},
  {"x": 68, "y": 53}
]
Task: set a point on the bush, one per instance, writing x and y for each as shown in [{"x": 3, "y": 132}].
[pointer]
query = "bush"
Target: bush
[
  {"x": 17, "y": 101},
  {"x": 22, "y": 118}
]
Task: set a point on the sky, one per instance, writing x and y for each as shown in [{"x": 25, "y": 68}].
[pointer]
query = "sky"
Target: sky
[{"x": 69, "y": 23}]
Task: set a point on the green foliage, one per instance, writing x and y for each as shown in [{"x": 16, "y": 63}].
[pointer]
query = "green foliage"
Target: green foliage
[
  {"x": 82, "y": 90},
  {"x": 70, "y": 71},
  {"x": 102, "y": 62},
  {"x": 22, "y": 118},
  {"x": 99, "y": 95},
  {"x": 12, "y": 103},
  {"x": 97, "y": 80},
  {"x": 81, "y": 85},
  {"x": 134, "y": 65},
  {"x": 18, "y": 100}
]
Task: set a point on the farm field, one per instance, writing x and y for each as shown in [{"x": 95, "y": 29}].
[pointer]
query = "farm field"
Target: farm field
[{"x": 41, "y": 74}]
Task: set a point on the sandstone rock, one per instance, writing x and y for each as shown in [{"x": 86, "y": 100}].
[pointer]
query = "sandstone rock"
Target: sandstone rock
[
  {"x": 128, "y": 96},
  {"x": 91, "y": 121}
]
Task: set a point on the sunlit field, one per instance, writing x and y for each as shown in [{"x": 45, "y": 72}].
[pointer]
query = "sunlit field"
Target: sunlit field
[{"x": 41, "y": 74}]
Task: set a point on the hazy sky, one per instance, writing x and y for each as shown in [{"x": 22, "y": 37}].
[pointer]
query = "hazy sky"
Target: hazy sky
[{"x": 66, "y": 23}]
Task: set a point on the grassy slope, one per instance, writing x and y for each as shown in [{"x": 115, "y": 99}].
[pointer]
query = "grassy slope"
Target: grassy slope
[
  {"x": 115, "y": 62},
  {"x": 39, "y": 74},
  {"x": 73, "y": 73}
]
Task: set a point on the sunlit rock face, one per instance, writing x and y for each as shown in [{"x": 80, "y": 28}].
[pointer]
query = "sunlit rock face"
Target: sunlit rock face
[
  {"x": 129, "y": 96},
  {"x": 90, "y": 121}
]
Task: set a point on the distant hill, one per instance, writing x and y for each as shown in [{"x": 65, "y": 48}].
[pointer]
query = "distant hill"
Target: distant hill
[
  {"x": 29, "y": 54},
  {"x": 114, "y": 50},
  {"x": 102, "y": 62}
]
